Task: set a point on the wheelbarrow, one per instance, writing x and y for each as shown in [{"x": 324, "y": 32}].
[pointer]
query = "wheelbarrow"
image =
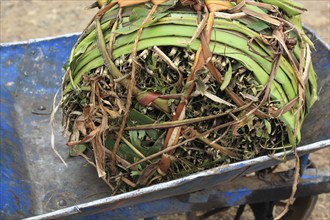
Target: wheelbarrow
[{"x": 35, "y": 184}]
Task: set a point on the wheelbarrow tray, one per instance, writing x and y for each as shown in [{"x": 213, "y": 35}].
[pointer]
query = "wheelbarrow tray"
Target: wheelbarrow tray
[{"x": 34, "y": 182}]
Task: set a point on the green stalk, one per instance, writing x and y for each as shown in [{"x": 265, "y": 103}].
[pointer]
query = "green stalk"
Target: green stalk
[
  {"x": 218, "y": 49},
  {"x": 228, "y": 38},
  {"x": 292, "y": 8}
]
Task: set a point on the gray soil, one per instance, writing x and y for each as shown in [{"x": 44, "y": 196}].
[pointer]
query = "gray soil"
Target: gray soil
[{"x": 28, "y": 19}]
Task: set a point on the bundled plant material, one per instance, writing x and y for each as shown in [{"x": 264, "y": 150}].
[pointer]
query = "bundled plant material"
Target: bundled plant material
[{"x": 157, "y": 90}]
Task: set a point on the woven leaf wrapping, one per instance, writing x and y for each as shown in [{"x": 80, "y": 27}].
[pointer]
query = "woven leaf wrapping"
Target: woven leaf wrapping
[{"x": 157, "y": 90}]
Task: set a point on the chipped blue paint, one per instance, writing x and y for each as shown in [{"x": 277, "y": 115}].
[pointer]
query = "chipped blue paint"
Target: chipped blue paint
[
  {"x": 234, "y": 197},
  {"x": 16, "y": 198},
  {"x": 19, "y": 65}
]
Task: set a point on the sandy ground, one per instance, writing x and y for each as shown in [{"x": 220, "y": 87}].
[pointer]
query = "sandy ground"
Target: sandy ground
[{"x": 28, "y": 19}]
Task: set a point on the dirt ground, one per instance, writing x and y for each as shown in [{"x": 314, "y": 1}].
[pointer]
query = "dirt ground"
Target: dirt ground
[{"x": 28, "y": 19}]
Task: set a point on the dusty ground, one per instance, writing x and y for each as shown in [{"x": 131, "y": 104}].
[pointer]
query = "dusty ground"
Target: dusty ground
[{"x": 28, "y": 19}]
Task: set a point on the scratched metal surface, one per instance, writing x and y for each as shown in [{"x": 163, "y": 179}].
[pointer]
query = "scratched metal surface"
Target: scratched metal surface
[
  {"x": 37, "y": 183},
  {"x": 30, "y": 76}
]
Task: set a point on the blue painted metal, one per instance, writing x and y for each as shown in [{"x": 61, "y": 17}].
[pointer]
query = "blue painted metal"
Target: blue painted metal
[
  {"x": 35, "y": 67},
  {"x": 120, "y": 205},
  {"x": 31, "y": 73},
  {"x": 234, "y": 196},
  {"x": 303, "y": 163},
  {"x": 237, "y": 192},
  {"x": 18, "y": 62},
  {"x": 16, "y": 197}
]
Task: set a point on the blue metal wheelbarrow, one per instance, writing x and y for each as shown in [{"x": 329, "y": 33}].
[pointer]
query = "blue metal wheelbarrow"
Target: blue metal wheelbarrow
[{"x": 34, "y": 182}]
